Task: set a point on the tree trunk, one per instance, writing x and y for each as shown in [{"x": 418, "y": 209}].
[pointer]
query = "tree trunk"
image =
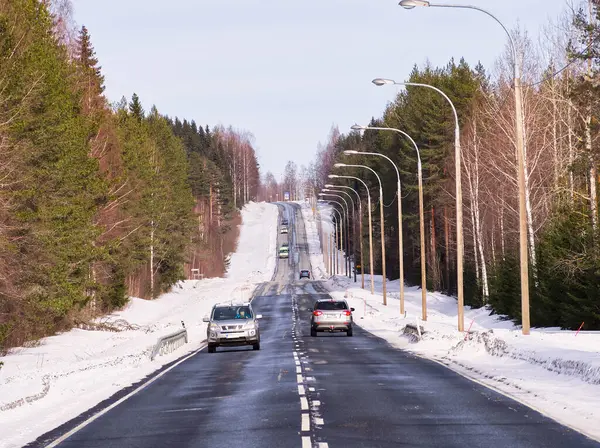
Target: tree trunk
[
  {"x": 502, "y": 244},
  {"x": 152, "y": 259},
  {"x": 447, "y": 244},
  {"x": 483, "y": 268},
  {"x": 593, "y": 172},
  {"x": 528, "y": 208},
  {"x": 435, "y": 270},
  {"x": 571, "y": 152}
]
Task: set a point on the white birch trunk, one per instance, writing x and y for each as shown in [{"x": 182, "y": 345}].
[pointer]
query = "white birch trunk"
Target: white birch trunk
[
  {"x": 528, "y": 208},
  {"x": 593, "y": 172},
  {"x": 502, "y": 243},
  {"x": 484, "y": 282},
  {"x": 152, "y": 259},
  {"x": 571, "y": 151}
]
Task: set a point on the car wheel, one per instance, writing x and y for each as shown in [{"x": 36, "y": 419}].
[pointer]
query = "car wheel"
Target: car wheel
[
  {"x": 212, "y": 348},
  {"x": 313, "y": 331},
  {"x": 349, "y": 332},
  {"x": 256, "y": 346}
]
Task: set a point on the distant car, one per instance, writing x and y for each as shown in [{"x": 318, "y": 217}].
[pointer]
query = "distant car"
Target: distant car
[
  {"x": 285, "y": 245},
  {"x": 284, "y": 222},
  {"x": 284, "y": 252},
  {"x": 304, "y": 273},
  {"x": 231, "y": 325},
  {"x": 331, "y": 315},
  {"x": 284, "y": 229}
]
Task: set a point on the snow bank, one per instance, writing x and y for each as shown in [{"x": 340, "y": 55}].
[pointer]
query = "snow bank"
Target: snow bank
[
  {"x": 311, "y": 223},
  {"x": 47, "y": 384},
  {"x": 255, "y": 256},
  {"x": 553, "y": 371}
]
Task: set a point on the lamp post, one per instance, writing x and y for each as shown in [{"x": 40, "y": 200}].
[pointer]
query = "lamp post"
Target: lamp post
[
  {"x": 519, "y": 120},
  {"x": 337, "y": 176},
  {"x": 347, "y": 211},
  {"x": 399, "y": 194},
  {"x": 341, "y": 165},
  {"x": 353, "y": 239},
  {"x": 357, "y": 127},
  {"x": 459, "y": 201},
  {"x": 341, "y": 235},
  {"x": 360, "y": 231}
]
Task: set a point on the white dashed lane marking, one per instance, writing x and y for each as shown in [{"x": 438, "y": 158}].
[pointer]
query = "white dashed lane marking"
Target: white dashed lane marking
[
  {"x": 303, "y": 403},
  {"x": 305, "y": 422}
]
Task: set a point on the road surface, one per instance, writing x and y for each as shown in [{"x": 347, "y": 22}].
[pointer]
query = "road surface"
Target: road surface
[{"x": 301, "y": 391}]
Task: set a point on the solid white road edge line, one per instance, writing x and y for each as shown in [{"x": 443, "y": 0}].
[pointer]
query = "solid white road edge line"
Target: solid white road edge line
[{"x": 121, "y": 400}]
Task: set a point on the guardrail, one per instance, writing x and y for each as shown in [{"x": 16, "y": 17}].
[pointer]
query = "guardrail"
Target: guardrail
[{"x": 169, "y": 343}]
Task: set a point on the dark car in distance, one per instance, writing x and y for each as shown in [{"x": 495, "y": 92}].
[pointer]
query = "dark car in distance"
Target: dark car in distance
[{"x": 304, "y": 273}]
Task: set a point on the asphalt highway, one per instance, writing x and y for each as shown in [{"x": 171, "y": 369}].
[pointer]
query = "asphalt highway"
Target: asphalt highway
[{"x": 302, "y": 391}]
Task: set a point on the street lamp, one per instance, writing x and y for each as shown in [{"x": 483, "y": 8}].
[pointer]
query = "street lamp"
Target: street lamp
[
  {"x": 523, "y": 253},
  {"x": 330, "y": 247},
  {"x": 360, "y": 231},
  {"x": 459, "y": 201},
  {"x": 342, "y": 165},
  {"x": 329, "y": 190},
  {"x": 337, "y": 176},
  {"x": 357, "y": 127},
  {"x": 399, "y": 193},
  {"x": 340, "y": 236},
  {"x": 347, "y": 211}
]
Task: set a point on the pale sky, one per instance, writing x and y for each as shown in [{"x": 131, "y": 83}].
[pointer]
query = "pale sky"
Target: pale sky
[{"x": 286, "y": 70}]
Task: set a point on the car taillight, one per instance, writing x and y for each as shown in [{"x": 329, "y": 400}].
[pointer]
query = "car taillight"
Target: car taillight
[
  {"x": 317, "y": 313},
  {"x": 348, "y": 313}
]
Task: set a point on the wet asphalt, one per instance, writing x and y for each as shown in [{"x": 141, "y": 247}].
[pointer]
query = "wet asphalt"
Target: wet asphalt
[{"x": 325, "y": 391}]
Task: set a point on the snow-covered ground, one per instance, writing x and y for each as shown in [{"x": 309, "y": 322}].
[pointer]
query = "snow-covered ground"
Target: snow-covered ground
[
  {"x": 62, "y": 376},
  {"x": 552, "y": 371}
]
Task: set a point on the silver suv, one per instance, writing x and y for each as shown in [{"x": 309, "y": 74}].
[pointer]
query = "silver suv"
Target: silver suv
[
  {"x": 231, "y": 325},
  {"x": 331, "y": 315}
]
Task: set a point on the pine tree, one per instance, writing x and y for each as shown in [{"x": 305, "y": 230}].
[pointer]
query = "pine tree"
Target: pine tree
[
  {"x": 135, "y": 107},
  {"x": 92, "y": 80}
]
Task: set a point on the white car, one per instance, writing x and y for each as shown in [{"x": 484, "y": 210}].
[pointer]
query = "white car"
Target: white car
[
  {"x": 231, "y": 325},
  {"x": 284, "y": 229}
]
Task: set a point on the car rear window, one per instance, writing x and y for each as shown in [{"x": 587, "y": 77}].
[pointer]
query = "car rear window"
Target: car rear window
[{"x": 331, "y": 306}]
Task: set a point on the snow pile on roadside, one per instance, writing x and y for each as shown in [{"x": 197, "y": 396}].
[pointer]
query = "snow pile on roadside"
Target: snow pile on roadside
[
  {"x": 550, "y": 370},
  {"x": 60, "y": 377},
  {"x": 311, "y": 224},
  {"x": 255, "y": 256}
]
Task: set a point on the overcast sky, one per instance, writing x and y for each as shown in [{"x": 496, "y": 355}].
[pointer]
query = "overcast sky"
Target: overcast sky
[{"x": 286, "y": 70}]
